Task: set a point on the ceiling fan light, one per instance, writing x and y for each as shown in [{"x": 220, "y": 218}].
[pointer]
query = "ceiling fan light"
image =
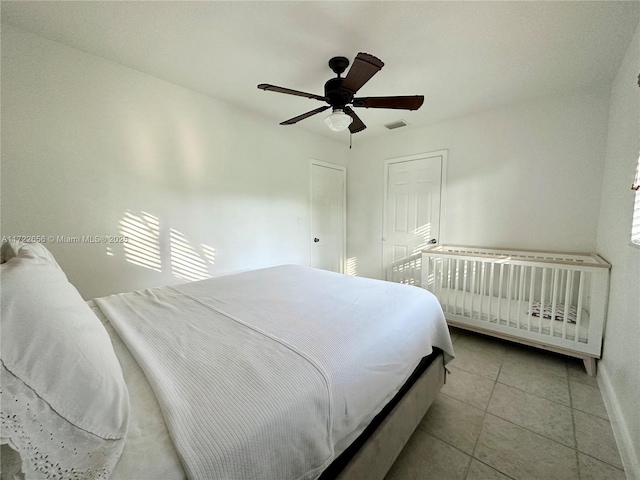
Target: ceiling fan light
[{"x": 338, "y": 121}]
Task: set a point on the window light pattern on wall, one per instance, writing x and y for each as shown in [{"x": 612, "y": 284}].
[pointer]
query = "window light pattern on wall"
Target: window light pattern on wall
[
  {"x": 143, "y": 232},
  {"x": 147, "y": 241},
  {"x": 635, "y": 223},
  {"x": 186, "y": 263},
  {"x": 352, "y": 267}
]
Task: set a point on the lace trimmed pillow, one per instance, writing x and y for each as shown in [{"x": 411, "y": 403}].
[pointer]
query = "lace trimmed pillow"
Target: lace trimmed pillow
[
  {"x": 65, "y": 406},
  {"x": 50, "y": 447}
]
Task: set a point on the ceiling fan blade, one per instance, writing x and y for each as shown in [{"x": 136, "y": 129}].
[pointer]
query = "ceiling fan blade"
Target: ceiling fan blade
[
  {"x": 413, "y": 102},
  {"x": 364, "y": 67},
  {"x": 293, "y": 120},
  {"x": 288, "y": 91},
  {"x": 357, "y": 125}
]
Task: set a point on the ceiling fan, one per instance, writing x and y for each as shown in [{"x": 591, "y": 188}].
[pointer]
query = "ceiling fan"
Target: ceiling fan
[{"x": 339, "y": 94}]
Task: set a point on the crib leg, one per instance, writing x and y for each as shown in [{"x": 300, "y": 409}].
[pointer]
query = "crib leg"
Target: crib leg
[{"x": 590, "y": 365}]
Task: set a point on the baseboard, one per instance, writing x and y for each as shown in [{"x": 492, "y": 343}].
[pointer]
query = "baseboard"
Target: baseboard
[{"x": 628, "y": 455}]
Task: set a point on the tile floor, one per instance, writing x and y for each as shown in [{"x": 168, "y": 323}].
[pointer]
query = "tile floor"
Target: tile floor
[{"x": 509, "y": 411}]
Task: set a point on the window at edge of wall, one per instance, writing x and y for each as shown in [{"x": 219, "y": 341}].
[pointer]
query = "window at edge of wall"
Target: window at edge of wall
[{"x": 635, "y": 222}]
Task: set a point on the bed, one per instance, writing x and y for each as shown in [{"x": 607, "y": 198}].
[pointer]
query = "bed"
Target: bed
[{"x": 300, "y": 373}]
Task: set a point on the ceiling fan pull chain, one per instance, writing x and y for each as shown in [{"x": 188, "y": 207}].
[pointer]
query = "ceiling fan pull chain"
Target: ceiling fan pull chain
[{"x": 350, "y": 139}]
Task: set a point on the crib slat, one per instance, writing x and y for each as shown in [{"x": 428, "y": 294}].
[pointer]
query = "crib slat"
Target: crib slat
[
  {"x": 521, "y": 294},
  {"x": 451, "y": 290},
  {"x": 554, "y": 298},
  {"x": 445, "y": 261},
  {"x": 458, "y": 267},
  {"x": 485, "y": 292},
  {"x": 509, "y": 295},
  {"x": 464, "y": 286},
  {"x": 482, "y": 286},
  {"x": 436, "y": 289},
  {"x": 454, "y": 292},
  {"x": 531, "y": 287},
  {"x": 438, "y": 279},
  {"x": 579, "y": 305},
  {"x": 491, "y": 269},
  {"x": 479, "y": 290},
  {"x": 542, "y": 302},
  {"x": 473, "y": 288},
  {"x": 567, "y": 302},
  {"x": 436, "y": 276},
  {"x": 446, "y": 282},
  {"x": 500, "y": 293}
]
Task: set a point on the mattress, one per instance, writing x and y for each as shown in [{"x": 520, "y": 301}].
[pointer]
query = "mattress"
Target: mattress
[
  {"x": 477, "y": 306},
  {"x": 150, "y": 443}
]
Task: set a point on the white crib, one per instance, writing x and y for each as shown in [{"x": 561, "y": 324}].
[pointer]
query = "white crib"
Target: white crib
[{"x": 555, "y": 301}]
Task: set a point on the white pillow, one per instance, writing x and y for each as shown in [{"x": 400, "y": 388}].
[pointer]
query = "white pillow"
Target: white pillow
[
  {"x": 11, "y": 249},
  {"x": 52, "y": 341}
]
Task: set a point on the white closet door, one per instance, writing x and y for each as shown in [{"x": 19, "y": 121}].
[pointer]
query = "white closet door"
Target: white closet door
[
  {"x": 412, "y": 207},
  {"x": 327, "y": 217}
]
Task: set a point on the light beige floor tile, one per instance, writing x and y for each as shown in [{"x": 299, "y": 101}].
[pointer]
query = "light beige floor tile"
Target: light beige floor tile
[
  {"x": 525, "y": 378},
  {"x": 480, "y": 471},
  {"x": 595, "y": 438},
  {"x": 482, "y": 342},
  {"x": 577, "y": 372},
  {"x": 454, "y": 422},
  {"x": 587, "y": 399},
  {"x": 543, "y": 416},
  {"x": 455, "y": 333},
  {"x": 538, "y": 361},
  {"x": 478, "y": 355},
  {"x": 425, "y": 457},
  {"x": 592, "y": 469},
  {"x": 522, "y": 454},
  {"x": 468, "y": 387}
]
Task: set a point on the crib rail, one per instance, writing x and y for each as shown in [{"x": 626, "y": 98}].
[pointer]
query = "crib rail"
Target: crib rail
[
  {"x": 555, "y": 298},
  {"x": 580, "y": 260}
]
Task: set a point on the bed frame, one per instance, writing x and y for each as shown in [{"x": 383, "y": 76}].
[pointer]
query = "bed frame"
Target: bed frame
[
  {"x": 502, "y": 292},
  {"x": 373, "y": 459}
]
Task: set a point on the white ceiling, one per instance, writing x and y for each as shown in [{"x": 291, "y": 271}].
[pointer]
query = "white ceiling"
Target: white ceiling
[{"x": 464, "y": 57}]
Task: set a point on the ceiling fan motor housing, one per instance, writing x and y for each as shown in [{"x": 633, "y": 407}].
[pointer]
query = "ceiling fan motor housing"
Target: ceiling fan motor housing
[{"x": 337, "y": 96}]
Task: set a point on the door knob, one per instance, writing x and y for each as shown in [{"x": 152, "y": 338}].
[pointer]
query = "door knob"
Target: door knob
[{"x": 316, "y": 240}]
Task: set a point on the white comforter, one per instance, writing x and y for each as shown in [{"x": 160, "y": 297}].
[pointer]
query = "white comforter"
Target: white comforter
[{"x": 270, "y": 374}]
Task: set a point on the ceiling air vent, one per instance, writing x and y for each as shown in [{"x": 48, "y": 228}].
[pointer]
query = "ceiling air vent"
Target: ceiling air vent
[{"x": 398, "y": 124}]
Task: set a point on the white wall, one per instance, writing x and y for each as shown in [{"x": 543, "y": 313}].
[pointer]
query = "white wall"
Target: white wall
[
  {"x": 85, "y": 140},
  {"x": 526, "y": 176},
  {"x": 620, "y": 366}
]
